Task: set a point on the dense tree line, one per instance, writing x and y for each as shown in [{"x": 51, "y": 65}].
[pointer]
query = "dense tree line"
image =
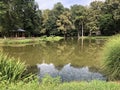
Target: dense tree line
[{"x": 99, "y": 18}]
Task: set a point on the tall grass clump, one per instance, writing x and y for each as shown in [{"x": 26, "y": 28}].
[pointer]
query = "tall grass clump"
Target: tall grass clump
[
  {"x": 50, "y": 81},
  {"x": 10, "y": 69},
  {"x": 111, "y": 58}
]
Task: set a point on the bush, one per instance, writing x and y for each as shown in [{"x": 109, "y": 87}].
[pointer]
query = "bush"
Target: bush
[
  {"x": 111, "y": 57},
  {"x": 49, "y": 81},
  {"x": 10, "y": 69}
]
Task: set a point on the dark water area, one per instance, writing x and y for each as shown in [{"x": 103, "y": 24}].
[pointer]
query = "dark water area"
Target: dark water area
[{"x": 82, "y": 54}]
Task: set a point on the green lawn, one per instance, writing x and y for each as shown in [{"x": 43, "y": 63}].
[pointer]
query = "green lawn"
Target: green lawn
[
  {"x": 29, "y": 40},
  {"x": 39, "y": 39},
  {"x": 97, "y": 37},
  {"x": 34, "y": 85}
]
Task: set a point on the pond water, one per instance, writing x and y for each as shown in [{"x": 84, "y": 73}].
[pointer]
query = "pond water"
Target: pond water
[
  {"x": 82, "y": 53},
  {"x": 69, "y": 73}
]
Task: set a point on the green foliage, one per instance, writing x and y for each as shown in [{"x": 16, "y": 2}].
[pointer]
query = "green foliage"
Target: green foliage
[
  {"x": 99, "y": 18},
  {"x": 58, "y": 9},
  {"x": 34, "y": 85},
  {"x": 111, "y": 57},
  {"x": 20, "y": 41},
  {"x": 51, "y": 38},
  {"x": 21, "y": 14},
  {"x": 49, "y": 23},
  {"x": 64, "y": 22},
  {"x": 49, "y": 81},
  {"x": 94, "y": 14},
  {"x": 94, "y": 85},
  {"x": 107, "y": 25},
  {"x": 30, "y": 40},
  {"x": 10, "y": 69}
]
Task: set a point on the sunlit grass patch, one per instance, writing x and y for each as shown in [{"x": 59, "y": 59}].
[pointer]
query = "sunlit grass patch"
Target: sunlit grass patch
[{"x": 29, "y": 40}]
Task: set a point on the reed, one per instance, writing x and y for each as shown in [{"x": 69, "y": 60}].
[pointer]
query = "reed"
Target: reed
[
  {"x": 111, "y": 58},
  {"x": 11, "y": 69}
]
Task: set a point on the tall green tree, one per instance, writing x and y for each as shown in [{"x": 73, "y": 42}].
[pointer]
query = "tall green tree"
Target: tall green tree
[
  {"x": 2, "y": 13},
  {"x": 112, "y": 7},
  {"x": 58, "y": 9},
  {"x": 93, "y": 17},
  {"x": 21, "y": 14},
  {"x": 6, "y": 17},
  {"x": 50, "y": 18},
  {"x": 31, "y": 17},
  {"x": 107, "y": 25},
  {"x": 49, "y": 23},
  {"x": 79, "y": 16},
  {"x": 64, "y": 22}
]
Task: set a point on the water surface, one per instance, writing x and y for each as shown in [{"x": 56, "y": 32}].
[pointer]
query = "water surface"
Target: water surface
[
  {"x": 69, "y": 73},
  {"x": 78, "y": 53},
  {"x": 72, "y": 59}
]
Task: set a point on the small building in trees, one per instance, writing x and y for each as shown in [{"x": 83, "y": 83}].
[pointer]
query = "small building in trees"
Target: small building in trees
[
  {"x": 18, "y": 33},
  {"x": 95, "y": 33}
]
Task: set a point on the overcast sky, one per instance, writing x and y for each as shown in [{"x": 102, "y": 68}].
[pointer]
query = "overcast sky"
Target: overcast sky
[{"x": 48, "y": 4}]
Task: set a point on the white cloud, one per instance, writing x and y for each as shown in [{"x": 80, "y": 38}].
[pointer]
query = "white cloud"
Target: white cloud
[
  {"x": 48, "y": 4},
  {"x": 45, "y": 4}
]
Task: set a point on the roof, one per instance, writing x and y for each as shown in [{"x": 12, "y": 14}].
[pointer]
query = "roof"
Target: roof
[{"x": 20, "y": 30}]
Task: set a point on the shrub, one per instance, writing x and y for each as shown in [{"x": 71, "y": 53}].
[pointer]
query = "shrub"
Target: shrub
[
  {"x": 10, "y": 69},
  {"x": 111, "y": 57},
  {"x": 50, "y": 81}
]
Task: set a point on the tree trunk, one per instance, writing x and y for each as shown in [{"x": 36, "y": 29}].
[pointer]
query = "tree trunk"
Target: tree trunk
[
  {"x": 78, "y": 34},
  {"x": 64, "y": 34},
  {"x": 90, "y": 33},
  {"x": 82, "y": 31}
]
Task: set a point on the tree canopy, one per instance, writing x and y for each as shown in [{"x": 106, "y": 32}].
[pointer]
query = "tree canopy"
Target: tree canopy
[{"x": 102, "y": 17}]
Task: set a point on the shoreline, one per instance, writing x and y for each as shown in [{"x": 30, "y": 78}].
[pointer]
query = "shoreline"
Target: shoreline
[{"x": 8, "y": 41}]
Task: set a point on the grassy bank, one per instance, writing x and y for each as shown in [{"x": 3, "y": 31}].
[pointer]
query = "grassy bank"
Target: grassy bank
[
  {"x": 12, "y": 72},
  {"x": 12, "y": 77},
  {"x": 97, "y": 37},
  {"x": 43, "y": 38},
  {"x": 34, "y": 85},
  {"x": 29, "y": 40}
]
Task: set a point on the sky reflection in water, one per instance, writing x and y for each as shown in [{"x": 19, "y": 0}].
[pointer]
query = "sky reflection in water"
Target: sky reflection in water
[{"x": 69, "y": 73}]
